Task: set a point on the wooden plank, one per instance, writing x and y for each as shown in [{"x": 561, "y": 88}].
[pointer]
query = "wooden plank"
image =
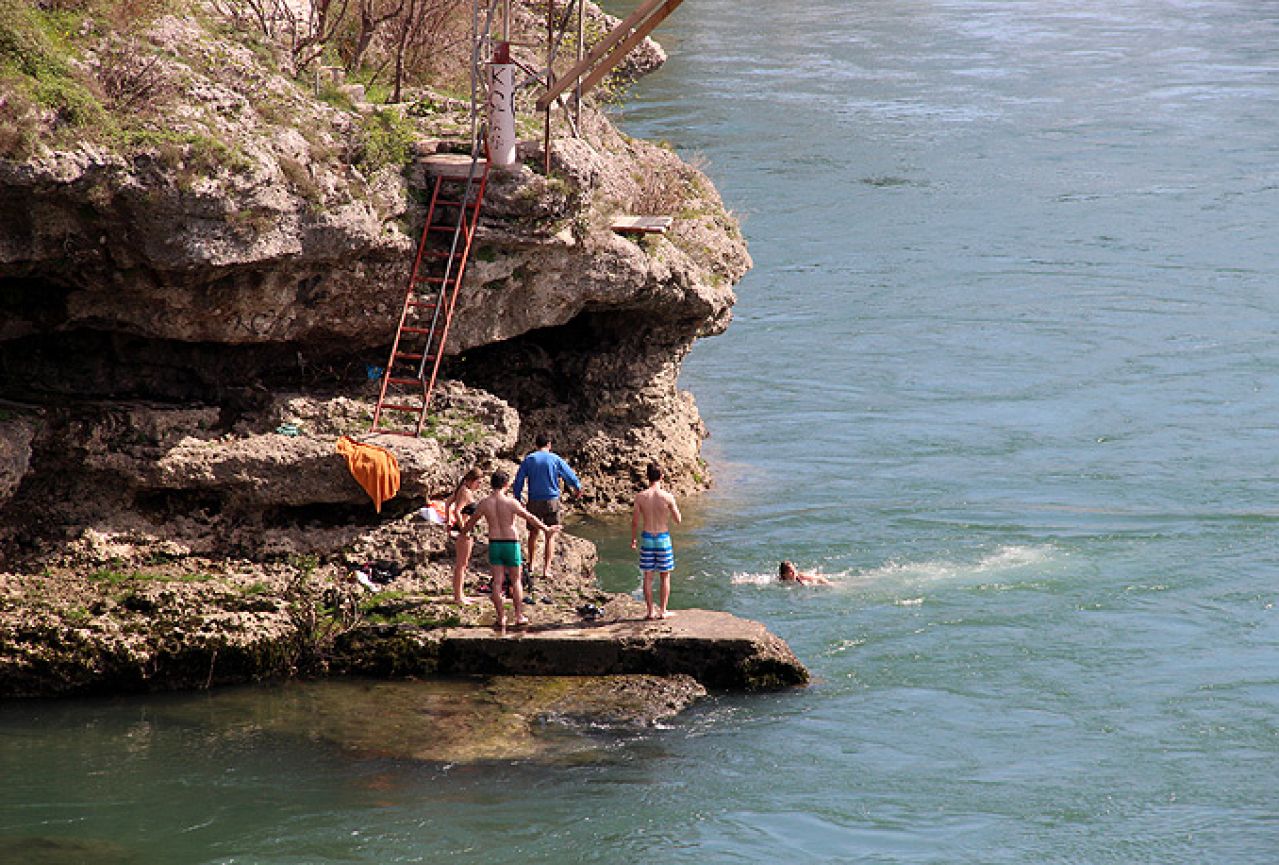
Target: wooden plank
[{"x": 641, "y": 224}]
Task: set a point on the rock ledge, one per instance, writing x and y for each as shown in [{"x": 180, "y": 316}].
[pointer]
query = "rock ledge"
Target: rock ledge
[{"x": 719, "y": 650}]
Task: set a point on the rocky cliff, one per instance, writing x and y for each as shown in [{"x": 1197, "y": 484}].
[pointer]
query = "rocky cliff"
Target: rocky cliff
[
  {"x": 171, "y": 297},
  {"x": 192, "y": 294}
]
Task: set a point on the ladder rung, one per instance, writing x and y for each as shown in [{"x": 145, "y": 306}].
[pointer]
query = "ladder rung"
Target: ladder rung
[{"x": 461, "y": 226}]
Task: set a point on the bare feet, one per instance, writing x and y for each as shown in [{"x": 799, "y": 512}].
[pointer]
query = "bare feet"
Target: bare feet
[
  {"x": 665, "y": 614},
  {"x": 464, "y": 601},
  {"x": 500, "y": 626},
  {"x": 649, "y": 616},
  {"x": 521, "y": 621}
]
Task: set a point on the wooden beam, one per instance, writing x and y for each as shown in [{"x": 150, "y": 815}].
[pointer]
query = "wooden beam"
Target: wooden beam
[
  {"x": 642, "y": 21},
  {"x": 613, "y": 37},
  {"x": 618, "y": 54}
]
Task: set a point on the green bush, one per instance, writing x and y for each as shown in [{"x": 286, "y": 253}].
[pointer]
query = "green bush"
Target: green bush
[
  {"x": 33, "y": 66},
  {"x": 388, "y": 136},
  {"x": 23, "y": 46}
]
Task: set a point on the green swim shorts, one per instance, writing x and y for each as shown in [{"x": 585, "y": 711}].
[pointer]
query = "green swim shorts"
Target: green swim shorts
[{"x": 505, "y": 553}]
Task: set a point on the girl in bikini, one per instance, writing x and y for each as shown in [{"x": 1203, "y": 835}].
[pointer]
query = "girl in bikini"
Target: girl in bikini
[{"x": 457, "y": 508}]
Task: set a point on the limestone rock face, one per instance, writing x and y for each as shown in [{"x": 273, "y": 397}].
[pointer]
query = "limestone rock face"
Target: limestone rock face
[
  {"x": 129, "y": 481},
  {"x": 191, "y": 318},
  {"x": 125, "y": 285},
  {"x": 15, "y": 455},
  {"x": 140, "y": 278},
  {"x": 197, "y": 316}
]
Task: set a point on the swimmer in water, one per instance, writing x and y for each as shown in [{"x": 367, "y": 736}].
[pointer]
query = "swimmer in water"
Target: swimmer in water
[{"x": 787, "y": 574}]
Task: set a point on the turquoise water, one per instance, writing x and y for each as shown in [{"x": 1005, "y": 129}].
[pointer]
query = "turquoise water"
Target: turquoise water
[{"x": 1005, "y": 370}]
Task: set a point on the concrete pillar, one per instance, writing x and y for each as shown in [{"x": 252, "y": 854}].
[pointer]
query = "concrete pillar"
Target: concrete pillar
[{"x": 501, "y": 109}]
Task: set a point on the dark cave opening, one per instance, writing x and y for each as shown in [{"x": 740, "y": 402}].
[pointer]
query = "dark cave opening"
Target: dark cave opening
[
  {"x": 47, "y": 359},
  {"x": 28, "y": 303},
  {"x": 51, "y": 367},
  {"x": 572, "y": 366},
  {"x": 167, "y": 504},
  {"x": 319, "y": 515}
]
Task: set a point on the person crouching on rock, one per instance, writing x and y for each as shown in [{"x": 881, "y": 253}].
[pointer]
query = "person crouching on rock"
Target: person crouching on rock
[
  {"x": 787, "y": 574},
  {"x": 499, "y": 510},
  {"x": 457, "y": 508}
]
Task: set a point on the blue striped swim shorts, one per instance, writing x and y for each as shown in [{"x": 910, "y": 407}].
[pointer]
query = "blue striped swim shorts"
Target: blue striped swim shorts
[{"x": 656, "y": 552}]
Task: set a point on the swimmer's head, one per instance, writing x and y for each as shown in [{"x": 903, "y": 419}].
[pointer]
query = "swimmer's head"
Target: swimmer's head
[{"x": 786, "y": 571}]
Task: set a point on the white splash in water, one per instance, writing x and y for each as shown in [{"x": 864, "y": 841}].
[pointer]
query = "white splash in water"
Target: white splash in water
[
  {"x": 1003, "y": 561},
  {"x": 740, "y": 579}
]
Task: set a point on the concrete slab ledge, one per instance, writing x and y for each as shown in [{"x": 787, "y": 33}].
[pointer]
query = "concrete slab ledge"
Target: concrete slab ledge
[{"x": 720, "y": 650}]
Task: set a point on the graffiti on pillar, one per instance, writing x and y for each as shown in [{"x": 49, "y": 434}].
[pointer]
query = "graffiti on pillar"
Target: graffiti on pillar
[{"x": 501, "y": 112}]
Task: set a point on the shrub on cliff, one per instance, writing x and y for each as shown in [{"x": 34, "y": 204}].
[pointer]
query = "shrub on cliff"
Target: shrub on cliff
[
  {"x": 385, "y": 138},
  {"x": 46, "y": 87},
  {"x": 36, "y": 79}
]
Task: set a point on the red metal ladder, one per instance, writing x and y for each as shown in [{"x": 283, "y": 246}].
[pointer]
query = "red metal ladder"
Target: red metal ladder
[{"x": 408, "y": 380}]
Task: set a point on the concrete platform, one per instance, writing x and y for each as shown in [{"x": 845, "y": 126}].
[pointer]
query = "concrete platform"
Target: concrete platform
[
  {"x": 718, "y": 649},
  {"x": 455, "y": 166}
]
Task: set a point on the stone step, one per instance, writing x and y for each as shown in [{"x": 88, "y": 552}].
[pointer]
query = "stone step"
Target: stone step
[{"x": 719, "y": 650}]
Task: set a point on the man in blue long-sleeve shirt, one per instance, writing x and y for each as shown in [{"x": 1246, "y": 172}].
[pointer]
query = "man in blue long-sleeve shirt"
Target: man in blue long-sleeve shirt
[{"x": 543, "y": 470}]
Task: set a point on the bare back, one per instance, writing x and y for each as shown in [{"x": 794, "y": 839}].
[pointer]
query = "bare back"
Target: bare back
[
  {"x": 655, "y": 507},
  {"x": 454, "y": 504},
  {"x": 501, "y": 511}
]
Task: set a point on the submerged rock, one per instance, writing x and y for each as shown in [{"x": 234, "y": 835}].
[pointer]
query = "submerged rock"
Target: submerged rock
[
  {"x": 450, "y": 720},
  {"x": 50, "y": 850}
]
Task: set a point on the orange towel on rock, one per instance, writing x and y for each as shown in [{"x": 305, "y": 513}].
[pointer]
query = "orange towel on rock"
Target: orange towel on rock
[{"x": 374, "y": 468}]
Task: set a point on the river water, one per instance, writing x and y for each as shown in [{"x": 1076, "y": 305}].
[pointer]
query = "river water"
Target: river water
[{"x": 1005, "y": 371}]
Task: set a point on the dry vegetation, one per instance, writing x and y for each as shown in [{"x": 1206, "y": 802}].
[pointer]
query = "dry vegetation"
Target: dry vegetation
[
  {"x": 94, "y": 70},
  {"x": 388, "y": 42}
]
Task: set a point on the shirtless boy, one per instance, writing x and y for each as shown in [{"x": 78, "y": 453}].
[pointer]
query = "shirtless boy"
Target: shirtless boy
[
  {"x": 500, "y": 510},
  {"x": 653, "y": 508}
]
